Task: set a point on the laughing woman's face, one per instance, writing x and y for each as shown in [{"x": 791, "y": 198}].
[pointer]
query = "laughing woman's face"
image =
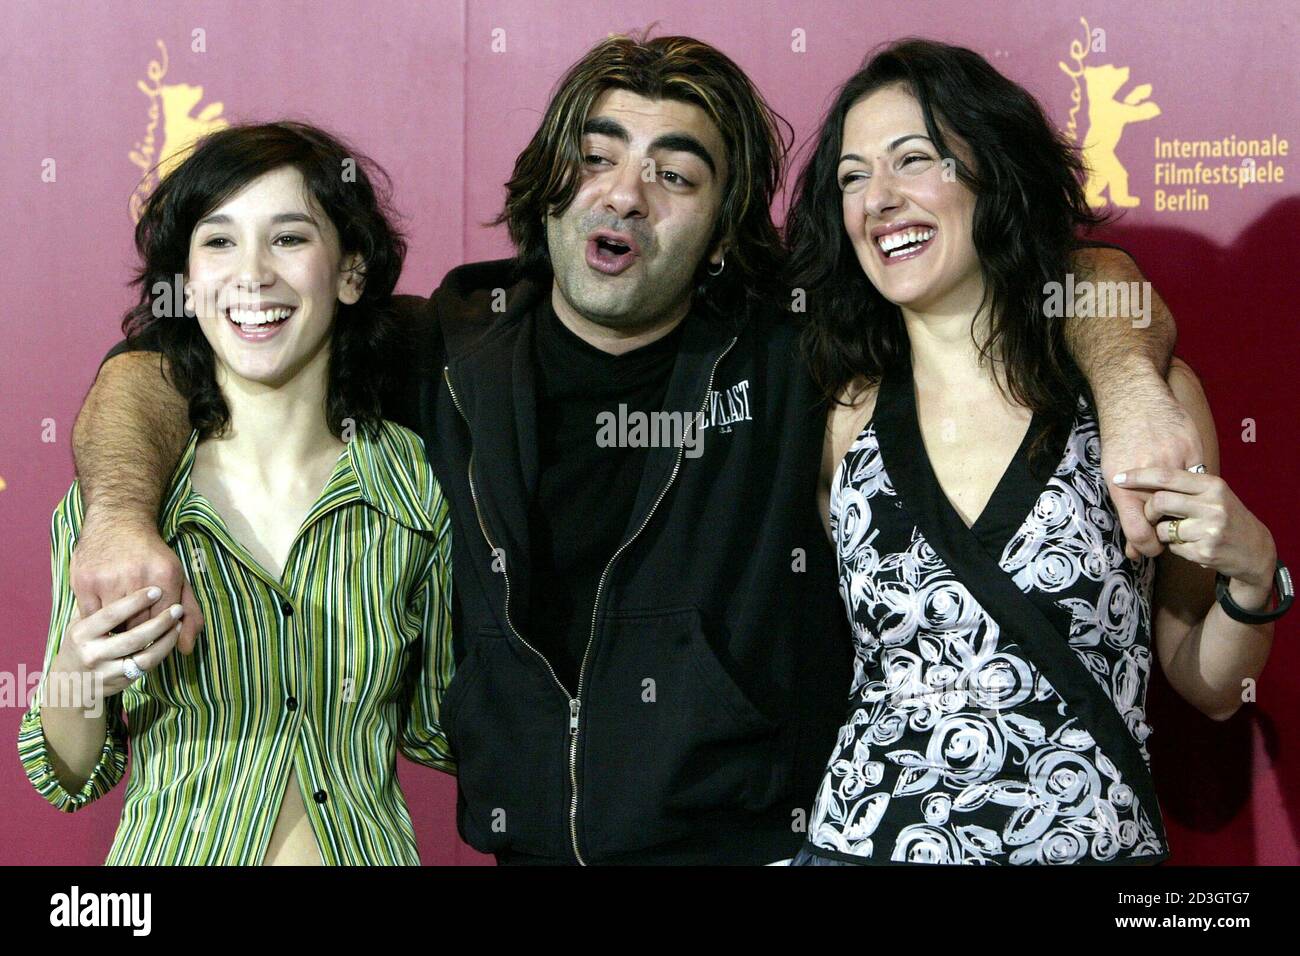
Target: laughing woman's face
[
  {"x": 265, "y": 277},
  {"x": 909, "y": 218}
]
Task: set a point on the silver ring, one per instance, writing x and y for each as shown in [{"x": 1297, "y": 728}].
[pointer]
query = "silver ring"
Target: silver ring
[
  {"x": 1197, "y": 469},
  {"x": 130, "y": 669}
]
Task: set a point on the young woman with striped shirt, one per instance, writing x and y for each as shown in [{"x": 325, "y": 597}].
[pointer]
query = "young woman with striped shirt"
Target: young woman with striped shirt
[{"x": 313, "y": 533}]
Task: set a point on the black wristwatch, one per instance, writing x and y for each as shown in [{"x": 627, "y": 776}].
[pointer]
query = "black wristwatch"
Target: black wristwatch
[{"x": 1281, "y": 583}]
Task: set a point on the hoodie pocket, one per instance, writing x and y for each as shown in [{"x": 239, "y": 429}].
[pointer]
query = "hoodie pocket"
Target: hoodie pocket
[
  {"x": 462, "y": 679},
  {"x": 670, "y": 733},
  {"x": 507, "y": 725}
]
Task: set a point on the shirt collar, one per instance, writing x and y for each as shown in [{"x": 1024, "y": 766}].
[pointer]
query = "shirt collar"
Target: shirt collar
[{"x": 384, "y": 467}]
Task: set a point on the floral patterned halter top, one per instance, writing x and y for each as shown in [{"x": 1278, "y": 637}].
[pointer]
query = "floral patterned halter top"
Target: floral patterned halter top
[{"x": 997, "y": 713}]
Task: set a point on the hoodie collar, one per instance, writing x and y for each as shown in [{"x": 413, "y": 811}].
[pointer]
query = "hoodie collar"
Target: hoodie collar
[{"x": 493, "y": 386}]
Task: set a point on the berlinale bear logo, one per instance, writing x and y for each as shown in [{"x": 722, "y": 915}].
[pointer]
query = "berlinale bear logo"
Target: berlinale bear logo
[
  {"x": 1107, "y": 117},
  {"x": 173, "y": 104}
]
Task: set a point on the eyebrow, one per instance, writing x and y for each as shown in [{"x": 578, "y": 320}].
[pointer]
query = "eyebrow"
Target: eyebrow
[
  {"x": 221, "y": 219},
  {"x": 890, "y": 148},
  {"x": 668, "y": 142}
]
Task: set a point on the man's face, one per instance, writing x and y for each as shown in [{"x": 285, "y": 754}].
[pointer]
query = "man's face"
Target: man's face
[{"x": 650, "y": 190}]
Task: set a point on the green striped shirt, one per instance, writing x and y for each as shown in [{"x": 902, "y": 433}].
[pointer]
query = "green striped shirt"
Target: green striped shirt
[{"x": 329, "y": 671}]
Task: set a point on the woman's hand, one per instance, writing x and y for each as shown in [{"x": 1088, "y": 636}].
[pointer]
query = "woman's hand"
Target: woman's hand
[
  {"x": 1200, "y": 519},
  {"x": 91, "y": 656}
]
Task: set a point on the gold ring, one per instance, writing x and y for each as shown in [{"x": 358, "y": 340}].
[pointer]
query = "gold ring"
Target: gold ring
[{"x": 1173, "y": 532}]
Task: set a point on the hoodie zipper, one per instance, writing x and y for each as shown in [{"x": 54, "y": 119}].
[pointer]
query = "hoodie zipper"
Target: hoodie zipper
[
  {"x": 575, "y": 702},
  {"x": 595, "y": 610},
  {"x": 473, "y": 493}
]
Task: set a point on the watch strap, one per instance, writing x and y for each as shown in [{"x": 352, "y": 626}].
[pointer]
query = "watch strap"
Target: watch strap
[{"x": 1281, "y": 584}]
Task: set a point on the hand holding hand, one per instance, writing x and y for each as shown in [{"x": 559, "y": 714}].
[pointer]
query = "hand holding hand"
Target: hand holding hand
[
  {"x": 116, "y": 557},
  {"x": 93, "y": 655},
  {"x": 1149, "y": 429},
  {"x": 1200, "y": 518}
]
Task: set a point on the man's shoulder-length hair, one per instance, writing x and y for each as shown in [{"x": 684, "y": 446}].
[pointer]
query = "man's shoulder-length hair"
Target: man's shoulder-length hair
[{"x": 756, "y": 137}]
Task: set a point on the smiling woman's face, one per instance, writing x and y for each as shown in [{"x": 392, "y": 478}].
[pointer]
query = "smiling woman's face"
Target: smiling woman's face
[
  {"x": 909, "y": 223},
  {"x": 265, "y": 277}
]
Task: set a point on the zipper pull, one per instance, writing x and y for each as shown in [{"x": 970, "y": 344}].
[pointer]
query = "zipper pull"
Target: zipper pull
[{"x": 573, "y": 716}]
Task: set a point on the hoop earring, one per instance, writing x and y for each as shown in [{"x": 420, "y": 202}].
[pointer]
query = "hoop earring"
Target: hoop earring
[{"x": 721, "y": 265}]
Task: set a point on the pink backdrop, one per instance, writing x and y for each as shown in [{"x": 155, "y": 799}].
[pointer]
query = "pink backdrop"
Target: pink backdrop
[{"x": 444, "y": 94}]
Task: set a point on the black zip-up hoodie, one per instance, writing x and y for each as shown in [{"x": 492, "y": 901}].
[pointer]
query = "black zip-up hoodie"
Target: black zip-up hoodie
[{"x": 718, "y": 668}]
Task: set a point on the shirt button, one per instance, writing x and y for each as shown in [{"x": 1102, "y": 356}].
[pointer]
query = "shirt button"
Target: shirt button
[
  {"x": 287, "y": 609},
  {"x": 319, "y": 796},
  {"x": 292, "y": 703}
]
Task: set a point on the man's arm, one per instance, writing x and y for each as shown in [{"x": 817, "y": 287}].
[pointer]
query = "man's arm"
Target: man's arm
[
  {"x": 127, "y": 438},
  {"x": 1125, "y": 352}
]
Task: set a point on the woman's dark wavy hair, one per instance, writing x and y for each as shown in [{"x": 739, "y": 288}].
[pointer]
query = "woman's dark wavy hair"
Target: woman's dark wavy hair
[
  {"x": 1029, "y": 209},
  {"x": 356, "y": 195},
  {"x": 757, "y": 139}
]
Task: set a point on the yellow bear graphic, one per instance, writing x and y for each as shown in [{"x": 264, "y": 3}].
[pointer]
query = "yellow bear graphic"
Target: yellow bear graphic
[
  {"x": 1107, "y": 118},
  {"x": 170, "y": 104},
  {"x": 180, "y": 129}
]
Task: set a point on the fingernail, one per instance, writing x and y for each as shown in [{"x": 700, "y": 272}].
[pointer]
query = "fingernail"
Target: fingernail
[
  {"x": 177, "y": 611},
  {"x": 154, "y": 594},
  {"x": 1121, "y": 478}
]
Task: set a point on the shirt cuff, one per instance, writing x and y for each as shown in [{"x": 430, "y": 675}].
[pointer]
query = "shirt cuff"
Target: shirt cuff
[{"x": 35, "y": 756}]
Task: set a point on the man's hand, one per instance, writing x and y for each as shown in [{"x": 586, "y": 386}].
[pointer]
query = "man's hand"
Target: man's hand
[
  {"x": 1125, "y": 361},
  {"x": 126, "y": 441},
  {"x": 1143, "y": 426},
  {"x": 119, "y": 557}
]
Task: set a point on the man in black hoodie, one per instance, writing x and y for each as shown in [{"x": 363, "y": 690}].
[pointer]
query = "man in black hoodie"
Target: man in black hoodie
[{"x": 652, "y": 659}]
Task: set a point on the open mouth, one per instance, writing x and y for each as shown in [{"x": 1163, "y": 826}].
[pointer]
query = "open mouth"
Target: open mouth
[
  {"x": 609, "y": 255},
  {"x": 256, "y": 325},
  {"x": 905, "y": 243}
]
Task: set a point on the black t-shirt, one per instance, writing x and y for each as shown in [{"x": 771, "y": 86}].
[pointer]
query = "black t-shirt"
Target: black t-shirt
[{"x": 585, "y": 493}]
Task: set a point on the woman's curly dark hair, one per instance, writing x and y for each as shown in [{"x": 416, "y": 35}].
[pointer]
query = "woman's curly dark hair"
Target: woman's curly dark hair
[
  {"x": 1029, "y": 209},
  {"x": 356, "y": 195}
]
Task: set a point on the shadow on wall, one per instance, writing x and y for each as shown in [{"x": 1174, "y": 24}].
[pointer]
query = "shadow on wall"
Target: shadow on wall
[{"x": 1235, "y": 306}]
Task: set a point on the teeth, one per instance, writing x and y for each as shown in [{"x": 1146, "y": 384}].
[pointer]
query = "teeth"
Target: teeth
[
  {"x": 895, "y": 240},
  {"x": 258, "y": 317}
]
